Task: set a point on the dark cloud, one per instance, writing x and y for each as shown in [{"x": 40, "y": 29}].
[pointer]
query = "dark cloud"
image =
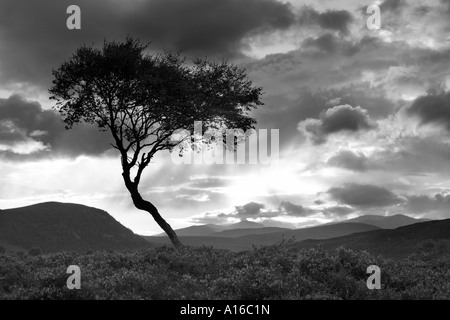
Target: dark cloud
[
  {"x": 326, "y": 42},
  {"x": 373, "y": 101},
  {"x": 329, "y": 43},
  {"x": 432, "y": 108},
  {"x": 310, "y": 104},
  {"x": 345, "y": 117},
  {"x": 365, "y": 196},
  {"x": 337, "y": 20},
  {"x": 337, "y": 119},
  {"x": 223, "y": 219},
  {"x": 25, "y": 122},
  {"x": 337, "y": 211},
  {"x": 300, "y": 84},
  {"x": 25, "y": 115},
  {"x": 368, "y": 67},
  {"x": 252, "y": 209},
  {"x": 422, "y": 10},
  {"x": 412, "y": 156},
  {"x": 349, "y": 160},
  {"x": 446, "y": 3},
  {"x": 392, "y": 5},
  {"x": 293, "y": 209},
  {"x": 10, "y": 134},
  {"x": 257, "y": 210},
  {"x": 211, "y": 26},
  {"x": 424, "y": 204},
  {"x": 34, "y": 37}
]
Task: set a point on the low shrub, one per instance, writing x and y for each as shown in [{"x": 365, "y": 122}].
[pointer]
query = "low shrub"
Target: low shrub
[{"x": 274, "y": 272}]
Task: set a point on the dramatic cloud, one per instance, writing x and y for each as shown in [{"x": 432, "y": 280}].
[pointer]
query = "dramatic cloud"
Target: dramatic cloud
[
  {"x": 387, "y": 71},
  {"x": 365, "y": 196},
  {"x": 323, "y": 74},
  {"x": 432, "y": 108},
  {"x": 27, "y": 129},
  {"x": 35, "y": 39},
  {"x": 349, "y": 160},
  {"x": 337, "y": 119},
  {"x": 345, "y": 117},
  {"x": 251, "y": 210},
  {"x": 218, "y": 28},
  {"x": 286, "y": 211}
]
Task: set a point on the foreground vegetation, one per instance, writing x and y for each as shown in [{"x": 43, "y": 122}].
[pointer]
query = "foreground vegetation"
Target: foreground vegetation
[{"x": 276, "y": 272}]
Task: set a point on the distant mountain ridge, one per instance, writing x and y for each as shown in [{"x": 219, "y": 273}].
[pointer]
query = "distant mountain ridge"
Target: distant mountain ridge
[
  {"x": 246, "y": 242},
  {"x": 398, "y": 242},
  {"x": 233, "y": 233},
  {"x": 240, "y": 236},
  {"x": 210, "y": 229},
  {"x": 249, "y": 227},
  {"x": 54, "y": 226},
  {"x": 387, "y": 222}
]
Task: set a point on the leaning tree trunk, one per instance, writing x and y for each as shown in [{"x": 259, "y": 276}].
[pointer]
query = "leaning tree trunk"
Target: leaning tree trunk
[{"x": 145, "y": 205}]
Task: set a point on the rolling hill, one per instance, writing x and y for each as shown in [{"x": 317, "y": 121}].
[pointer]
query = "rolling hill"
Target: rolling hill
[
  {"x": 210, "y": 229},
  {"x": 245, "y": 224},
  {"x": 387, "y": 222},
  {"x": 247, "y": 241},
  {"x": 398, "y": 242},
  {"x": 234, "y": 233},
  {"x": 245, "y": 227},
  {"x": 54, "y": 226},
  {"x": 203, "y": 230}
]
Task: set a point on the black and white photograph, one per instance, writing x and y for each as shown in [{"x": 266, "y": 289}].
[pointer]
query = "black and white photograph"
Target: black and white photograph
[{"x": 202, "y": 151}]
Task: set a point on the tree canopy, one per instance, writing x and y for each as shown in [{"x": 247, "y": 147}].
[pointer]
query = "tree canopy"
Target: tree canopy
[{"x": 142, "y": 99}]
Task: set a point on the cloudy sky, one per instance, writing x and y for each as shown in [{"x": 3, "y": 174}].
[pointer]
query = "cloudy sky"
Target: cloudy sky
[{"x": 364, "y": 115}]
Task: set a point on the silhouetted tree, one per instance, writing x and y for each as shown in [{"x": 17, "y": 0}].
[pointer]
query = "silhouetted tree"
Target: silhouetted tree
[{"x": 143, "y": 99}]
